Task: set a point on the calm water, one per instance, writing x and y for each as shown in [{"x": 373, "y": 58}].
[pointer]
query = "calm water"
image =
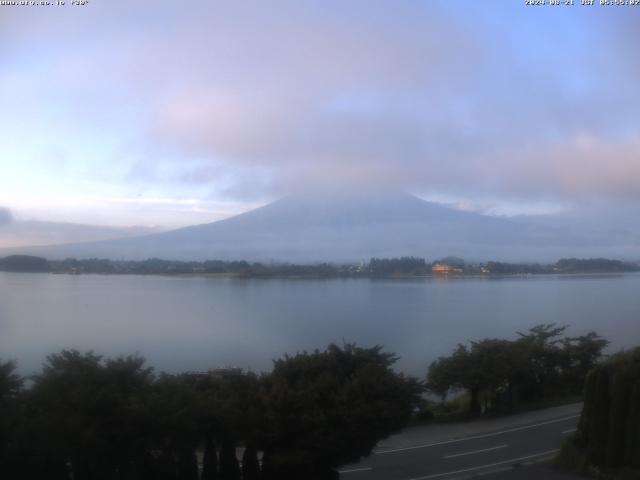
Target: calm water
[{"x": 197, "y": 323}]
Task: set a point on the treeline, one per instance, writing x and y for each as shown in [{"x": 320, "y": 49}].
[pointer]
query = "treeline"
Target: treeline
[
  {"x": 398, "y": 266},
  {"x": 499, "y": 374},
  {"x": 578, "y": 265},
  {"x": 24, "y": 263},
  {"x": 608, "y": 435},
  {"x": 376, "y": 267},
  {"x": 157, "y": 266},
  {"x": 90, "y": 418}
]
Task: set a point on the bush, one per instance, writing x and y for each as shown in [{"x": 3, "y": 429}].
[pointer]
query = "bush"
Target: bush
[
  {"x": 572, "y": 455},
  {"x": 608, "y": 434}
]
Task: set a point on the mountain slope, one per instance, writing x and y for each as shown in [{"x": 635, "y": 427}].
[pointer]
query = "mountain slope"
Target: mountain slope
[{"x": 18, "y": 232}]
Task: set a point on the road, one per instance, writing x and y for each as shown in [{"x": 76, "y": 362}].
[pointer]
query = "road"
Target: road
[{"x": 480, "y": 453}]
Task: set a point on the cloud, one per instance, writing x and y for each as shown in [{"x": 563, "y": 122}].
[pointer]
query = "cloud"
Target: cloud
[
  {"x": 5, "y": 216},
  {"x": 432, "y": 103},
  {"x": 256, "y": 98},
  {"x": 585, "y": 166}
]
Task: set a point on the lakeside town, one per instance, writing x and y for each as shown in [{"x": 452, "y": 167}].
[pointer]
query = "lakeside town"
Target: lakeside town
[{"x": 375, "y": 267}]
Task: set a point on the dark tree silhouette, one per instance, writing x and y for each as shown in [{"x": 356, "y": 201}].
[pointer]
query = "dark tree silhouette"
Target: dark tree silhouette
[
  {"x": 331, "y": 407},
  {"x": 503, "y": 373},
  {"x": 90, "y": 418},
  {"x": 209, "y": 460},
  {"x": 229, "y": 467},
  {"x": 250, "y": 464}
]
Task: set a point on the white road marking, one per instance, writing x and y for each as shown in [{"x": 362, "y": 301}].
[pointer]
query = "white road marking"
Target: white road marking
[
  {"x": 513, "y": 460},
  {"x": 353, "y": 470},
  {"x": 571, "y": 430},
  {"x": 476, "y": 451},
  {"x": 486, "y": 435}
]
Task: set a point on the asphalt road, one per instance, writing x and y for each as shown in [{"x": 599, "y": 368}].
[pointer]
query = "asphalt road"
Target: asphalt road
[{"x": 482, "y": 453}]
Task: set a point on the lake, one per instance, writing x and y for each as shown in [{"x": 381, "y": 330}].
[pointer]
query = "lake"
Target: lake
[{"x": 195, "y": 323}]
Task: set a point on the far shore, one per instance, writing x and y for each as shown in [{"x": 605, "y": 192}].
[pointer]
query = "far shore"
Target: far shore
[{"x": 398, "y": 268}]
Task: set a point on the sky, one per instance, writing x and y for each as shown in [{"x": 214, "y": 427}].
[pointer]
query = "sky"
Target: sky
[{"x": 158, "y": 113}]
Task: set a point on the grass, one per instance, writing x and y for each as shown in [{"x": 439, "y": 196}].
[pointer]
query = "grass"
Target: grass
[
  {"x": 457, "y": 409},
  {"x": 573, "y": 458}
]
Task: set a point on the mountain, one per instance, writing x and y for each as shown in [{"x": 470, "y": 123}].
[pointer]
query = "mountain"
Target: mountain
[{"x": 353, "y": 227}]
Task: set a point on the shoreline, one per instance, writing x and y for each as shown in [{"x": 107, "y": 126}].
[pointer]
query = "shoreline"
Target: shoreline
[
  {"x": 232, "y": 275},
  {"x": 388, "y": 268}
]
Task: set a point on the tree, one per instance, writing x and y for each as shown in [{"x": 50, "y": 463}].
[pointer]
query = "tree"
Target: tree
[
  {"x": 486, "y": 368},
  {"x": 187, "y": 464},
  {"x": 458, "y": 371},
  {"x": 328, "y": 408},
  {"x": 581, "y": 354},
  {"x": 398, "y": 266},
  {"x": 441, "y": 377},
  {"x": 502, "y": 373},
  {"x": 24, "y": 263},
  {"x": 496, "y": 365},
  {"x": 10, "y": 382},
  {"x": 93, "y": 418},
  {"x": 229, "y": 467},
  {"x": 90, "y": 413},
  {"x": 10, "y": 387},
  {"x": 542, "y": 344},
  {"x": 609, "y": 427},
  {"x": 209, "y": 460},
  {"x": 176, "y": 429},
  {"x": 250, "y": 464}
]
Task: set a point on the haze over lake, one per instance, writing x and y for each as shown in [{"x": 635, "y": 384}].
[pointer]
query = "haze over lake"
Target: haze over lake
[{"x": 196, "y": 323}]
